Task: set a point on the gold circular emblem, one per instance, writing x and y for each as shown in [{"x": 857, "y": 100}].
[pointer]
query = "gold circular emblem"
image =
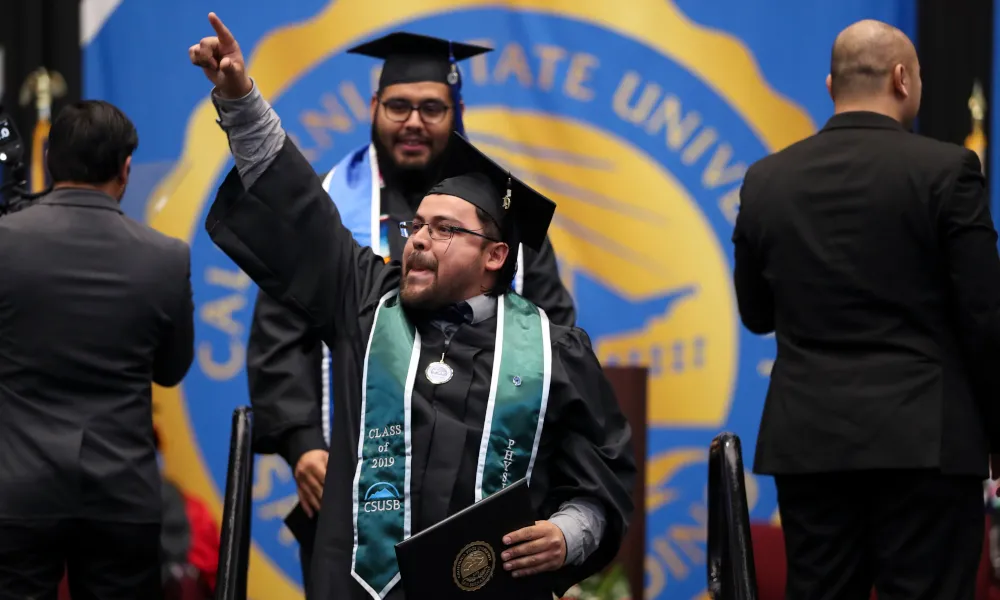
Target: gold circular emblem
[{"x": 474, "y": 566}]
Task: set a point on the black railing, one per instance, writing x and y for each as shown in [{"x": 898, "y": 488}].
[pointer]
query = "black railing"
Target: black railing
[
  {"x": 234, "y": 549},
  {"x": 731, "y": 574}
]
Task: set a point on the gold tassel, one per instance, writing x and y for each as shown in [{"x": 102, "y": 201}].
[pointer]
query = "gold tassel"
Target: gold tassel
[
  {"x": 42, "y": 86},
  {"x": 39, "y": 142},
  {"x": 976, "y": 140}
]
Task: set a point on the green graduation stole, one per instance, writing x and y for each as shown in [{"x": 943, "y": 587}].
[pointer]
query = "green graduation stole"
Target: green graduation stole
[{"x": 515, "y": 414}]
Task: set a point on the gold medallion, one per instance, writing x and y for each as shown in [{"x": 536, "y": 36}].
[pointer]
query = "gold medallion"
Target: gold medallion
[{"x": 474, "y": 566}]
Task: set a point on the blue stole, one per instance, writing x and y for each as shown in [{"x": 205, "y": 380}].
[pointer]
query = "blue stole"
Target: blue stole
[{"x": 355, "y": 186}]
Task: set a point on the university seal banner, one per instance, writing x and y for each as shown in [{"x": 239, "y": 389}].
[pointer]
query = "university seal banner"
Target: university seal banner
[{"x": 638, "y": 118}]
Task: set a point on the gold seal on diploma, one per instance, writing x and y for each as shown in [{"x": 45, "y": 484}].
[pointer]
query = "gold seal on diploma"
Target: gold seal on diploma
[{"x": 474, "y": 566}]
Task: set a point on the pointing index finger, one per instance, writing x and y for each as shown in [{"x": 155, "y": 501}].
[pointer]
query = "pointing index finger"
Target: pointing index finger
[{"x": 225, "y": 37}]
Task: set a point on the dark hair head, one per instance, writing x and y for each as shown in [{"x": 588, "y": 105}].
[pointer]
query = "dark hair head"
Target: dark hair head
[
  {"x": 490, "y": 227},
  {"x": 505, "y": 276},
  {"x": 89, "y": 142}
]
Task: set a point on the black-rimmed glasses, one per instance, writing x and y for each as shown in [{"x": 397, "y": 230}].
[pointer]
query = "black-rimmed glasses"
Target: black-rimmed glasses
[
  {"x": 441, "y": 233},
  {"x": 399, "y": 110}
]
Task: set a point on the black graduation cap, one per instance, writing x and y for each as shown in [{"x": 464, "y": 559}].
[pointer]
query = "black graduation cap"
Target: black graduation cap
[
  {"x": 522, "y": 213},
  {"x": 410, "y": 57}
]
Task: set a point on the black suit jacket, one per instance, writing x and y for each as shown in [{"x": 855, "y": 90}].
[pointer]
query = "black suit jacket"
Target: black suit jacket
[
  {"x": 871, "y": 254},
  {"x": 94, "y": 307}
]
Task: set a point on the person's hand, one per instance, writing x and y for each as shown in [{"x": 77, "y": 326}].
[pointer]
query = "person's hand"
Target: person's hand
[
  {"x": 220, "y": 58},
  {"x": 535, "y": 549},
  {"x": 310, "y": 473}
]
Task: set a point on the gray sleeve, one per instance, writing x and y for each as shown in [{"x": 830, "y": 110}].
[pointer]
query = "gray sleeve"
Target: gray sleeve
[
  {"x": 254, "y": 131},
  {"x": 581, "y": 521}
]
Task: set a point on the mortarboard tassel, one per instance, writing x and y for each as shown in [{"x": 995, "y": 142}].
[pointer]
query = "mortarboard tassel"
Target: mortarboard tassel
[{"x": 455, "y": 82}]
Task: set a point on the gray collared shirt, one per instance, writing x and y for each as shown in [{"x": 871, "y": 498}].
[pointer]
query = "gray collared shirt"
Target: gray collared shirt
[{"x": 255, "y": 138}]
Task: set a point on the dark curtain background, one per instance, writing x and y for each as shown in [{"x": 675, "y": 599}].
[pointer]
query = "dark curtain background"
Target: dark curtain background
[
  {"x": 955, "y": 44},
  {"x": 38, "y": 33}
]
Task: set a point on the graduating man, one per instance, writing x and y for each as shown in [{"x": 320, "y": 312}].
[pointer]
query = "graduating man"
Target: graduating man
[
  {"x": 416, "y": 107},
  {"x": 440, "y": 370}
]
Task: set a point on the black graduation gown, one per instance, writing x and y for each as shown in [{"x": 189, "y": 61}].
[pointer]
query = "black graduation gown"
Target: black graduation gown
[
  {"x": 284, "y": 355},
  {"x": 288, "y": 237}
]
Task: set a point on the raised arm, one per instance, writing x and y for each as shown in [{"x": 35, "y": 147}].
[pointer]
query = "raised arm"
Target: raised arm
[{"x": 271, "y": 215}]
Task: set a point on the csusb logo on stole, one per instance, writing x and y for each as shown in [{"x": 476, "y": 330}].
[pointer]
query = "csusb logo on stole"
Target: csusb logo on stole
[
  {"x": 639, "y": 128},
  {"x": 382, "y": 496}
]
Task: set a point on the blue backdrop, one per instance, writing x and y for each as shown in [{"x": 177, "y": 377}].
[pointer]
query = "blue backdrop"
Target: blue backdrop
[{"x": 639, "y": 122}]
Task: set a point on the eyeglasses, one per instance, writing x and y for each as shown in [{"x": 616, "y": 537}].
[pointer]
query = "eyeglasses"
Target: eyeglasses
[
  {"x": 441, "y": 233},
  {"x": 399, "y": 110}
]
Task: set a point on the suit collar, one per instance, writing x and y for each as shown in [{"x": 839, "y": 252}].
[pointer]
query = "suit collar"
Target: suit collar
[
  {"x": 862, "y": 120},
  {"x": 82, "y": 197}
]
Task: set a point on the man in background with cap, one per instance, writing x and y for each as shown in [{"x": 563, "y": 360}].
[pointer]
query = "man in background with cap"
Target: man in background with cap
[
  {"x": 416, "y": 107},
  {"x": 438, "y": 364}
]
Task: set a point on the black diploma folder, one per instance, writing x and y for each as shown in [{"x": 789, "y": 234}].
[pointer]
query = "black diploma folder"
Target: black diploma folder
[{"x": 460, "y": 557}]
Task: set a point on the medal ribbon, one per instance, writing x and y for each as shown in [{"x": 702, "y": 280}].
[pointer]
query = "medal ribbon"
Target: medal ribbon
[{"x": 515, "y": 415}]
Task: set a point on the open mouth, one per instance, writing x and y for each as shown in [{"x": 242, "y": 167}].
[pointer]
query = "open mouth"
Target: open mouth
[
  {"x": 419, "y": 269},
  {"x": 419, "y": 276},
  {"x": 412, "y": 145}
]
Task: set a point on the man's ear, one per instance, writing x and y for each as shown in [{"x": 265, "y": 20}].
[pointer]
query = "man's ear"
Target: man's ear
[
  {"x": 901, "y": 81},
  {"x": 497, "y": 256},
  {"x": 126, "y": 170},
  {"x": 374, "y": 107}
]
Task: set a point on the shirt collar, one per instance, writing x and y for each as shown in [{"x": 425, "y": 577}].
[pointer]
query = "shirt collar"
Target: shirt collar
[
  {"x": 472, "y": 311},
  {"x": 483, "y": 307}
]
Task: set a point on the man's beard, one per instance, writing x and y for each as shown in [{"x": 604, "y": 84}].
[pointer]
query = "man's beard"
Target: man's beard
[
  {"x": 408, "y": 178},
  {"x": 425, "y": 299},
  {"x": 433, "y": 296}
]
